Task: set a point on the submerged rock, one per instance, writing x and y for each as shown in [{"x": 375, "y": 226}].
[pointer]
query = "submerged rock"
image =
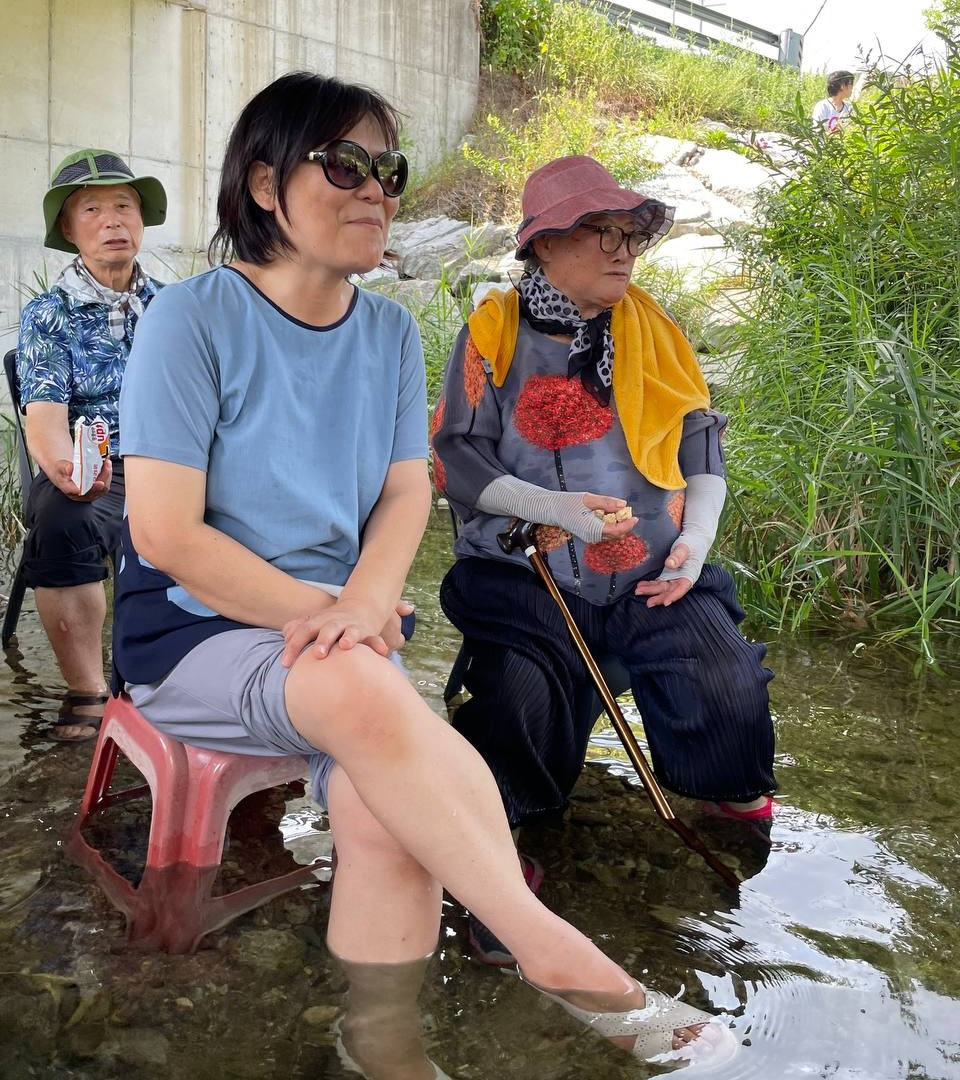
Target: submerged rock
[
  {"x": 138, "y": 1047},
  {"x": 31, "y": 1013},
  {"x": 271, "y": 952},
  {"x": 320, "y": 1015}
]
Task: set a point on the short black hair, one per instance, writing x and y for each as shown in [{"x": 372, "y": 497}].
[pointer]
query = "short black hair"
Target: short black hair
[
  {"x": 836, "y": 80},
  {"x": 295, "y": 114}
]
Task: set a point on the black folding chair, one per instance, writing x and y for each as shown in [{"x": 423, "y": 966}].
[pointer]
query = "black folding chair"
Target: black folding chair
[{"x": 25, "y": 464}]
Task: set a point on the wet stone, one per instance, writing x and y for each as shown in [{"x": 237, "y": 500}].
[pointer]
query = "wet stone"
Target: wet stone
[
  {"x": 312, "y": 934},
  {"x": 30, "y": 1023},
  {"x": 85, "y": 1039},
  {"x": 586, "y": 787},
  {"x": 320, "y": 1015},
  {"x": 139, "y": 1048},
  {"x": 585, "y": 793},
  {"x": 298, "y": 912},
  {"x": 124, "y": 1013},
  {"x": 272, "y": 952},
  {"x": 18, "y": 887},
  {"x": 605, "y": 874},
  {"x": 93, "y": 1006}
]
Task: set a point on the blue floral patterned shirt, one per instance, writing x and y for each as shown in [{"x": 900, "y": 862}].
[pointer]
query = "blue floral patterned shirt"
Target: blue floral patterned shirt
[{"x": 66, "y": 355}]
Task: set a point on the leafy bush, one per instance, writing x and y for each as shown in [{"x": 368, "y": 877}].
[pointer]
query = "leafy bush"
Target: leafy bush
[
  {"x": 845, "y": 445},
  {"x": 512, "y": 31},
  {"x": 944, "y": 21}
]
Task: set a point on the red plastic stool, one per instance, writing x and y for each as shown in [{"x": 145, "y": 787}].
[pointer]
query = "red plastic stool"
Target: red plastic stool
[{"x": 193, "y": 792}]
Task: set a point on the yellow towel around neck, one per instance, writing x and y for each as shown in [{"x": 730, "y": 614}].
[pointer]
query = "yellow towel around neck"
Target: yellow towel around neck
[{"x": 656, "y": 378}]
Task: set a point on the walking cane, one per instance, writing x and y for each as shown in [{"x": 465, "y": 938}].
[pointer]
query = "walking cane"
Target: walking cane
[{"x": 521, "y": 535}]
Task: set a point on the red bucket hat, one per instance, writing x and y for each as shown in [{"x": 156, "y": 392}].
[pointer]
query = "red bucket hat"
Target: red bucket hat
[{"x": 559, "y": 195}]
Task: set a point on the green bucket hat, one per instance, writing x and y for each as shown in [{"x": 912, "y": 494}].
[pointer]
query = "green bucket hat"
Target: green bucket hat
[{"x": 89, "y": 168}]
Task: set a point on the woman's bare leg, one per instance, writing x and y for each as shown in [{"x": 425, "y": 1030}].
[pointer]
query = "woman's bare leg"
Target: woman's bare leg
[
  {"x": 381, "y": 1027},
  {"x": 434, "y": 795},
  {"x": 413, "y": 801},
  {"x": 372, "y": 867}
]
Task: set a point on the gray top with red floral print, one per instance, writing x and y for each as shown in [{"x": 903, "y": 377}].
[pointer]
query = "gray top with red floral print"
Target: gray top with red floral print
[{"x": 544, "y": 427}]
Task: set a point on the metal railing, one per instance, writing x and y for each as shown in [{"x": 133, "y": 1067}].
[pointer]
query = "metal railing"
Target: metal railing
[{"x": 788, "y": 43}]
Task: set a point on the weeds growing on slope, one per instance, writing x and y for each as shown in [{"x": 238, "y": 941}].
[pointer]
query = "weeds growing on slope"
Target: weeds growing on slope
[
  {"x": 586, "y": 85},
  {"x": 582, "y": 49}
]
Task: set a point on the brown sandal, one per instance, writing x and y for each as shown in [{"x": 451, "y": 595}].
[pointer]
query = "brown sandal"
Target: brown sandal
[{"x": 68, "y": 718}]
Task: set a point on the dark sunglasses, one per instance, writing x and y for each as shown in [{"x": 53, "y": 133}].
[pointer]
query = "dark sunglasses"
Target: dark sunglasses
[
  {"x": 347, "y": 165},
  {"x": 612, "y": 236}
]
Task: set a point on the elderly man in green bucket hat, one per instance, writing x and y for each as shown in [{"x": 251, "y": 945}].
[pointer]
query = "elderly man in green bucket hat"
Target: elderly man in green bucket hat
[{"x": 73, "y": 347}]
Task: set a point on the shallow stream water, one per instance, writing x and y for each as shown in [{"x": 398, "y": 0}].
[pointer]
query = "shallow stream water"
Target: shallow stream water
[{"x": 836, "y": 958}]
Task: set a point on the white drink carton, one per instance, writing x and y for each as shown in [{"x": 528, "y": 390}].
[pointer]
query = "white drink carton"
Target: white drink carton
[{"x": 91, "y": 445}]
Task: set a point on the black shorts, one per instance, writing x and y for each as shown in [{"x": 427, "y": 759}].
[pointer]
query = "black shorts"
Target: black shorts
[{"x": 68, "y": 542}]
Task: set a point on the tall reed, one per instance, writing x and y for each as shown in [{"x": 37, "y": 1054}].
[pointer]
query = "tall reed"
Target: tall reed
[{"x": 845, "y": 443}]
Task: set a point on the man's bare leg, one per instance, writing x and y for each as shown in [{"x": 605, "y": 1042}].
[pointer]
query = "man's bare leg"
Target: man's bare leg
[{"x": 73, "y": 620}]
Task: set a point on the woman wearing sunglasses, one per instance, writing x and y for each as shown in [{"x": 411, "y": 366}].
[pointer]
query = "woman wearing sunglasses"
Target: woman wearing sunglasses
[
  {"x": 274, "y": 430},
  {"x": 575, "y": 402}
]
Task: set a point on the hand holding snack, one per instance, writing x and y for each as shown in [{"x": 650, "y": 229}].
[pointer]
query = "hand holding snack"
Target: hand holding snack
[
  {"x": 618, "y": 515},
  {"x": 91, "y": 447},
  {"x": 618, "y": 518}
]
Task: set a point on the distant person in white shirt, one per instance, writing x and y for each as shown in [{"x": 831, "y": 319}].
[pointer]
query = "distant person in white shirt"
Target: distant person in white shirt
[{"x": 835, "y": 106}]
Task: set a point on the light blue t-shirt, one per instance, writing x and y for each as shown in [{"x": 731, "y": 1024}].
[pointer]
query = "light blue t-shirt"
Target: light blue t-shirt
[{"x": 294, "y": 425}]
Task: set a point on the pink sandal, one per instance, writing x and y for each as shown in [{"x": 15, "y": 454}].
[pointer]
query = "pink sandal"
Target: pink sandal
[{"x": 723, "y": 809}]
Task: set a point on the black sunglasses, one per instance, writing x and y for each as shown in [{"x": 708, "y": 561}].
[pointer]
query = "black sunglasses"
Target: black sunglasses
[{"x": 347, "y": 165}]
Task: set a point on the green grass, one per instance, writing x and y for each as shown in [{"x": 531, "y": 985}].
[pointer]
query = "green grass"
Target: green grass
[
  {"x": 11, "y": 524},
  {"x": 844, "y": 451},
  {"x": 582, "y": 49},
  {"x": 440, "y": 320},
  {"x": 591, "y": 86}
]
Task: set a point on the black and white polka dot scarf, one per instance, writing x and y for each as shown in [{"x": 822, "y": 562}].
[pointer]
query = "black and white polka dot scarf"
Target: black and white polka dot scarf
[{"x": 547, "y": 310}]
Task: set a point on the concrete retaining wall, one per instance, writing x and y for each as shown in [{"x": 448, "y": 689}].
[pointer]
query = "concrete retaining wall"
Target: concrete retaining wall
[{"x": 161, "y": 81}]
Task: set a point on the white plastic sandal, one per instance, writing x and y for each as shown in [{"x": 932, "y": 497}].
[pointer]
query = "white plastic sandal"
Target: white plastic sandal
[{"x": 654, "y": 1025}]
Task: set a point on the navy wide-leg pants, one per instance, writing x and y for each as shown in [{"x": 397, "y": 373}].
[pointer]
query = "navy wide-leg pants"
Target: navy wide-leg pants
[{"x": 700, "y": 686}]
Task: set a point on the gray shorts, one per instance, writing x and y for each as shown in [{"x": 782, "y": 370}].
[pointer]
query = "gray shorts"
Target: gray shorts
[{"x": 227, "y": 694}]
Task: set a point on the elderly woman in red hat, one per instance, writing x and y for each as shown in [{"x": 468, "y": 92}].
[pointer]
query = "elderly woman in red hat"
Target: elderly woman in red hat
[
  {"x": 74, "y": 342},
  {"x": 574, "y": 401}
]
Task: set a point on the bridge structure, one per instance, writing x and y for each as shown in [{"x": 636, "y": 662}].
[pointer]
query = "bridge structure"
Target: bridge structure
[{"x": 700, "y": 26}]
